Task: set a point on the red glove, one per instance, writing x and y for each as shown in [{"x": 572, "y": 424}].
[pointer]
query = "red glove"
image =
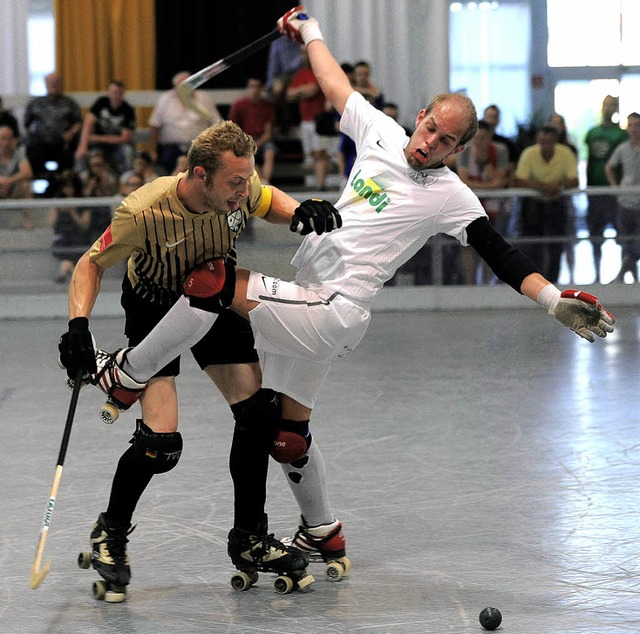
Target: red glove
[{"x": 299, "y": 27}]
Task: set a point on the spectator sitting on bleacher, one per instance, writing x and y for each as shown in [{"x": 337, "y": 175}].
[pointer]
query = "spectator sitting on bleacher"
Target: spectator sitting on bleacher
[
  {"x": 97, "y": 181},
  {"x": 130, "y": 184},
  {"x": 174, "y": 123},
  {"x": 109, "y": 126},
  {"x": 182, "y": 165},
  {"x": 7, "y": 118},
  {"x": 142, "y": 166},
  {"x": 283, "y": 62},
  {"x": 363, "y": 84},
  {"x": 52, "y": 124},
  {"x": 255, "y": 114},
  {"x": 482, "y": 165},
  {"x": 15, "y": 171},
  {"x": 71, "y": 226},
  {"x": 305, "y": 91}
]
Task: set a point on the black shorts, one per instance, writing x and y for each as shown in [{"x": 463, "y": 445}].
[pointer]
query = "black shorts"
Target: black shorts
[{"x": 230, "y": 339}]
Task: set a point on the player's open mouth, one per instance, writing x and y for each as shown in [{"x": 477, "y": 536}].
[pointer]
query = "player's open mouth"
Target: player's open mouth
[{"x": 421, "y": 156}]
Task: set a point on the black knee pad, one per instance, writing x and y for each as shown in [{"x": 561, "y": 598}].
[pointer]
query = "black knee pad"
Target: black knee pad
[
  {"x": 291, "y": 442},
  {"x": 157, "y": 452},
  {"x": 260, "y": 412}
]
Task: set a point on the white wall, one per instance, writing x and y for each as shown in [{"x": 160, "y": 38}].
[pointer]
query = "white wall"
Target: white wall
[
  {"x": 405, "y": 42},
  {"x": 14, "y": 66}
]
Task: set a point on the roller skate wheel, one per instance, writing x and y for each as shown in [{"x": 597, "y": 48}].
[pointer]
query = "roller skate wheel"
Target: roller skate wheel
[
  {"x": 335, "y": 570},
  {"x": 115, "y": 594},
  {"x": 283, "y": 585},
  {"x": 99, "y": 589},
  {"x": 84, "y": 560},
  {"x": 243, "y": 580},
  {"x": 305, "y": 582},
  {"x": 346, "y": 562},
  {"x": 109, "y": 413}
]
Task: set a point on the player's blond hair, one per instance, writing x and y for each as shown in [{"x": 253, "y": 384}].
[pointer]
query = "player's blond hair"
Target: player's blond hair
[{"x": 207, "y": 148}]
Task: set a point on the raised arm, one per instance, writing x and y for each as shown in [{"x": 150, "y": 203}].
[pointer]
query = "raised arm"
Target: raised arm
[{"x": 298, "y": 26}]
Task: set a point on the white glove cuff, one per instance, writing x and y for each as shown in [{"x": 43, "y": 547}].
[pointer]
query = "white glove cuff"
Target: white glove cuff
[
  {"x": 310, "y": 31},
  {"x": 548, "y": 297}
]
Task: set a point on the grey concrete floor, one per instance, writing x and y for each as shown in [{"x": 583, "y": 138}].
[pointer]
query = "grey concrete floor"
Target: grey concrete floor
[{"x": 475, "y": 458}]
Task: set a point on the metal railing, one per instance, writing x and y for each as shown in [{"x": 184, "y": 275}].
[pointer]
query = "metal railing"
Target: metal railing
[{"x": 438, "y": 245}]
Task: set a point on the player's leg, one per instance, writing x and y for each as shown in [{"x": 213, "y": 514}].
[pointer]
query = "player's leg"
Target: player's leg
[
  {"x": 320, "y": 533},
  {"x": 301, "y": 459},
  {"x": 228, "y": 356},
  {"x": 208, "y": 288},
  {"x": 153, "y": 449}
]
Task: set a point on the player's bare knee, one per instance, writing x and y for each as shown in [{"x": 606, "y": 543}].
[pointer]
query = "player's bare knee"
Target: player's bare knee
[
  {"x": 159, "y": 452},
  {"x": 291, "y": 442},
  {"x": 211, "y": 285}
]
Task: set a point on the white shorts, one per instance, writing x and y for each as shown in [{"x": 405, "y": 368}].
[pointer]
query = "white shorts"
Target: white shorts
[{"x": 299, "y": 333}]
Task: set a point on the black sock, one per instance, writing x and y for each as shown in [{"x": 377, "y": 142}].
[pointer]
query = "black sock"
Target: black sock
[
  {"x": 249, "y": 466},
  {"x": 129, "y": 483}
]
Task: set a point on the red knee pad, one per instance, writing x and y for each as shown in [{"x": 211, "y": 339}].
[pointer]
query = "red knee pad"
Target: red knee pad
[
  {"x": 289, "y": 446},
  {"x": 206, "y": 280}
]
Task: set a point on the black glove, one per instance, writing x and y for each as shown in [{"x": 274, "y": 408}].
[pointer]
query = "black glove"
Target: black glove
[
  {"x": 316, "y": 215},
  {"x": 76, "y": 347}
]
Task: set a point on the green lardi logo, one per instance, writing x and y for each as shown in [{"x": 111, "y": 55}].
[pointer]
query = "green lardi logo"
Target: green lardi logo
[{"x": 370, "y": 191}]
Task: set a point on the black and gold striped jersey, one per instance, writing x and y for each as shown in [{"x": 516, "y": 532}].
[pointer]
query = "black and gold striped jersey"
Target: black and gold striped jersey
[{"x": 163, "y": 241}]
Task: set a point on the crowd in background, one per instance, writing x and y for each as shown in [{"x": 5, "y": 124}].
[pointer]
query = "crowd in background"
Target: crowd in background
[{"x": 95, "y": 154}]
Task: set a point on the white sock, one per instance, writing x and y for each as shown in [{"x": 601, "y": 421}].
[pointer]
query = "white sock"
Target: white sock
[
  {"x": 309, "y": 486},
  {"x": 182, "y": 327}
]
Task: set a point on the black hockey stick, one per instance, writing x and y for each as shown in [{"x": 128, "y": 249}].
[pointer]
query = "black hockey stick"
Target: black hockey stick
[
  {"x": 186, "y": 88},
  {"x": 38, "y": 575}
]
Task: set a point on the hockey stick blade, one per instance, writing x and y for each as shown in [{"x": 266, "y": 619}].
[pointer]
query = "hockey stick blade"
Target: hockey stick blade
[
  {"x": 38, "y": 574},
  {"x": 197, "y": 79}
]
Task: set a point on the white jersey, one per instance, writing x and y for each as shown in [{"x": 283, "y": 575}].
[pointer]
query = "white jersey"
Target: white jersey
[{"x": 388, "y": 211}]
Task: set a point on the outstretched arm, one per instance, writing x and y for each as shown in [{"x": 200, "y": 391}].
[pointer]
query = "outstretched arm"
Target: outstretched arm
[
  {"x": 579, "y": 311},
  {"x": 296, "y": 25}
]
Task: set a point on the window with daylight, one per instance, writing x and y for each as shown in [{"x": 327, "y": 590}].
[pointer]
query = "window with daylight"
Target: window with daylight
[
  {"x": 40, "y": 44},
  {"x": 489, "y": 51},
  {"x": 593, "y": 33}
]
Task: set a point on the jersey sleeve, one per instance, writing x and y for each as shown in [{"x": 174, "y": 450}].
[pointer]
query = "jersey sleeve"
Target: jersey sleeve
[
  {"x": 259, "y": 197},
  {"x": 119, "y": 240}
]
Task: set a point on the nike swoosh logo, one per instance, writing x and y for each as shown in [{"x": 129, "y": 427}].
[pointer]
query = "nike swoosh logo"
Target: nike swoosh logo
[
  {"x": 379, "y": 144},
  {"x": 170, "y": 245}
]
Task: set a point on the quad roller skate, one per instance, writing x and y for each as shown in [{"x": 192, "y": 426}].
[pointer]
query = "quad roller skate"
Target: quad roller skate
[
  {"x": 109, "y": 558},
  {"x": 122, "y": 391},
  {"x": 324, "y": 543},
  {"x": 254, "y": 553}
]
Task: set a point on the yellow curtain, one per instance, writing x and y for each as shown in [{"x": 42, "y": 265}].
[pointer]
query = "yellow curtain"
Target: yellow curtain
[{"x": 101, "y": 40}]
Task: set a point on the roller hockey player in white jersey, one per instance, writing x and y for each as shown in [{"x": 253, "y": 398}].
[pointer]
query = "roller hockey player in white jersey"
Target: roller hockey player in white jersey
[{"x": 398, "y": 195}]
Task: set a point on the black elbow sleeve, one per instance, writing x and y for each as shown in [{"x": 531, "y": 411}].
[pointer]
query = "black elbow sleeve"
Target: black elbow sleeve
[{"x": 510, "y": 265}]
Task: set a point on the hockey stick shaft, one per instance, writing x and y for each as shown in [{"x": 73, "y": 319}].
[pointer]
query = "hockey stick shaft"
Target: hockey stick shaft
[
  {"x": 37, "y": 575},
  {"x": 197, "y": 79}
]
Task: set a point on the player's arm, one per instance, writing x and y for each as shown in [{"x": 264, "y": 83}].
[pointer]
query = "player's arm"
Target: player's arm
[
  {"x": 335, "y": 85},
  {"x": 76, "y": 346},
  {"x": 84, "y": 287},
  {"x": 579, "y": 311},
  {"x": 314, "y": 214}
]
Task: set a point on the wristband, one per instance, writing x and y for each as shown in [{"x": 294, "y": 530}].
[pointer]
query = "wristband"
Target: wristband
[
  {"x": 310, "y": 31},
  {"x": 548, "y": 297}
]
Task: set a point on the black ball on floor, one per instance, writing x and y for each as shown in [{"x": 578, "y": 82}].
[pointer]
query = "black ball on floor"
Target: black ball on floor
[{"x": 490, "y": 618}]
